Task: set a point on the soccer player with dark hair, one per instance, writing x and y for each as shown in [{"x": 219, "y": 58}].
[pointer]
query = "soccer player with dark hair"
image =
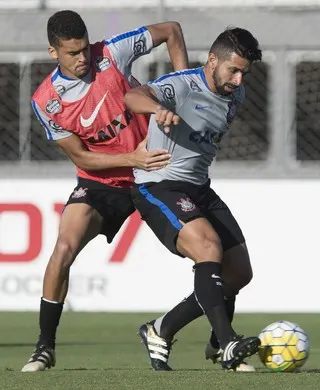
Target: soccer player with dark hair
[
  {"x": 191, "y": 111},
  {"x": 80, "y": 106}
]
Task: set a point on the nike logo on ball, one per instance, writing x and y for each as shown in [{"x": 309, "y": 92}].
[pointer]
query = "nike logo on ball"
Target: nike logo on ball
[{"x": 88, "y": 122}]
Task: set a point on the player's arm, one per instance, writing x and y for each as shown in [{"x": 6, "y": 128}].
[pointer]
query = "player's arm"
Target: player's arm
[
  {"x": 171, "y": 34},
  {"x": 143, "y": 100},
  {"x": 76, "y": 150},
  {"x": 163, "y": 98},
  {"x": 128, "y": 47},
  {"x": 84, "y": 159}
]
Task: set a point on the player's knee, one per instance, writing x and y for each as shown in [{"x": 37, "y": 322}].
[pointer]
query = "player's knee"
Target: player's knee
[
  {"x": 200, "y": 248},
  {"x": 247, "y": 276},
  {"x": 243, "y": 278},
  {"x": 211, "y": 247},
  {"x": 63, "y": 254}
]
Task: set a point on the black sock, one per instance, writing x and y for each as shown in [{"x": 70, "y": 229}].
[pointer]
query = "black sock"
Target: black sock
[
  {"x": 50, "y": 314},
  {"x": 178, "y": 317},
  {"x": 208, "y": 289},
  {"x": 230, "y": 307}
]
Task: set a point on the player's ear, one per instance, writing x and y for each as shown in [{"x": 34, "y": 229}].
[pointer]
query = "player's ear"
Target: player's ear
[
  {"x": 52, "y": 52},
  {"x": 212, "y": 61}
]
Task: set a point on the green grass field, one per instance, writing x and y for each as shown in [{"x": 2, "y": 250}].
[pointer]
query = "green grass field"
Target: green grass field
[{"x": 102, "y": 351}]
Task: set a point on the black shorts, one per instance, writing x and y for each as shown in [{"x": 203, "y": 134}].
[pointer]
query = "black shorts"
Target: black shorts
[
  {"x": 114, "y": 204},
  {"x": 163, "y": 205}
]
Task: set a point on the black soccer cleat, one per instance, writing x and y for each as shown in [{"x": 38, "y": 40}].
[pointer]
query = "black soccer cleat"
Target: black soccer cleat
[
  {"x": 239, "y": 349},
  {"x": 42, "y": 357},
  {"x": 158, "y": 348},
  {"x": 214, "y": 354}
]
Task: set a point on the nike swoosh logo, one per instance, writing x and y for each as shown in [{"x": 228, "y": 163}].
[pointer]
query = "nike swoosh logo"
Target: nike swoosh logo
[
  {"x": 199, "y": 107},
  {"x": 88, "y": 122},
  {"x": 214, "y": 276}
]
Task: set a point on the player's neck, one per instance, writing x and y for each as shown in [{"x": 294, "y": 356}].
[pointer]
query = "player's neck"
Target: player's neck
[
  {"x": 209, "y": 79},
  {"x": 63, "y": 72}
]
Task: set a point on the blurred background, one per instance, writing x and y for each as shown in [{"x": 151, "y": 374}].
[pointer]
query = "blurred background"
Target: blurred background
[{"x": 267, "y": 170}]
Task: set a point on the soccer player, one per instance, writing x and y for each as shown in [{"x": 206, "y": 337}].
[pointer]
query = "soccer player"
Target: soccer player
[
  {"x": 191, "y": 111},
  {"x": 80, "y": 106}
]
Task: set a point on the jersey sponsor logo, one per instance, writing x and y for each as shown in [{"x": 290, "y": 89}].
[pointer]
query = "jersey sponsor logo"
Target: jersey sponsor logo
[
  {"x": 79, "y": 193},
  {"x": 55, "y": 126},
  {"x": 139, "y": 48},
  {"x": 208, "y": 137},
  {"x": 60, "y": 89},
  {"x": 195, "y": 87},
  {"x": 113, "y": 129},
  {"x": 200, "y": 107},
  {"x": 102, "y": 63},
  {"x": 167, "y": 91},
  {"x": 88, "y": 121},
  {"x": 53, "y": 106},
  {"x": 186, "y": 204}
]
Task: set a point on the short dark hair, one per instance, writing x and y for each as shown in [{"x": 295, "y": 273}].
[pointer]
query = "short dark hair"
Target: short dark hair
[
  {"x": 239, "y": 41},
  {"x": 65, "y": 25}
]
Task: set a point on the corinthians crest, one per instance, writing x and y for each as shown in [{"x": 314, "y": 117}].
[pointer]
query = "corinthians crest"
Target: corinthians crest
[
  {"x": 79, "y": 193},
  {"x": 186, "y": 204}
]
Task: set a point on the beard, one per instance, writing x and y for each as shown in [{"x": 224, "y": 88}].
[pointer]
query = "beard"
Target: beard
[{"x": 221, "y": 87}]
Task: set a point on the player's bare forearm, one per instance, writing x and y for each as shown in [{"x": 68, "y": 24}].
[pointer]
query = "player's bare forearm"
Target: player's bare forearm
[
  {"x": 84, "y": 159},
  {"x": 87, "y": 160},
  {"x": 92, "y": 161},
  {"x": 177, "y": 48},
  {"x": 141, "y": 100},
  {"x": 171, "y": 34}
]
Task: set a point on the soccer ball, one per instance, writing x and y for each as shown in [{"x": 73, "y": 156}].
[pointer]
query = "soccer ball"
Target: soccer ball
[{"x": 284, "y": 346}]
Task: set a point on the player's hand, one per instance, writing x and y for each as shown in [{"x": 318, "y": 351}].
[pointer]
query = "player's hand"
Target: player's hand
[
  {"x": 150, "y": 161},
  {"x": 166, "y": 118}
]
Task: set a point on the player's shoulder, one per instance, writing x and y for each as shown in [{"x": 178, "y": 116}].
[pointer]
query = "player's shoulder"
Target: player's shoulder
[
  {"x": 177, "y": 84},
  {"x": 125, "y": 35},
  {"x": 181, "y": 76},
  {"x": 45, "y": 87},
  {"x": 97, "y": 45},
  {"x": 182, "y": 80}
]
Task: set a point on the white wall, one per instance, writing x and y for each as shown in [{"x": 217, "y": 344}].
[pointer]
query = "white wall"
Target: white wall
[
  {"x": 279, "y": 219},
  {"x": 64, "y": 4}
]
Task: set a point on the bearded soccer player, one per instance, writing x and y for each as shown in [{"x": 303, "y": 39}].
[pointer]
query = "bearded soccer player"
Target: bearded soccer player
[
  {"x": 80, "y": 106},
  {"x": 191, "y": 111}
]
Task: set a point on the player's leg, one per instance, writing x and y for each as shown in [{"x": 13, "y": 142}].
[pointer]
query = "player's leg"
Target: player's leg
[
  {"x": 209, "y": 293},
  {"x": 79, "y": 224},
  {"x": 236, "y": 274},
  {"x": 236, "y": 269},
  {"x": 197, "y": 240},
  {"x": 156, "y": 206},
  {"x": 99, "y": 209}
]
